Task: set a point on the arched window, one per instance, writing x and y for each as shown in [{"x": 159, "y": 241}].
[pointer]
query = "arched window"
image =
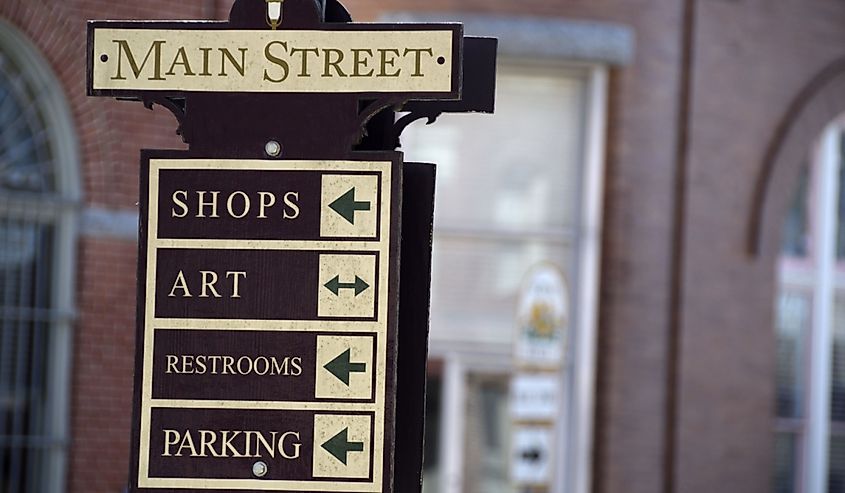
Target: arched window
[
  {"x": 810, "y": 315},
  {"x": 39, "y": 197}
]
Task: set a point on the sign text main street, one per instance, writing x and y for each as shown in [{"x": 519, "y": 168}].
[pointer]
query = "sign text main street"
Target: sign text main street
[{"x": 412, "y": 59}]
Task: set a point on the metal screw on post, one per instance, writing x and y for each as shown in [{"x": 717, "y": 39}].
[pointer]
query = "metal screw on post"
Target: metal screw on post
[
  {"x": 273, "y": 148},
  {"x": 260, "y": 469}
]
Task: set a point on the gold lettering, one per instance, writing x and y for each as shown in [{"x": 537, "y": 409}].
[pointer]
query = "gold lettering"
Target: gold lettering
[
  {"x": 227, "y": 444},
  {"x": 172, "y": 361},
  {"x": 123, "y": 47},
  {"x": 418, "y": 64},
  {"x": 182, "y": 284},
  {"x": 181, "y": 59},
  {"x": 206, "y": 62},
  {"x": 228, "y": 365},
  {"x": 227, "y": 55},
  {"x": 388, "y": 62},
  {"x": 202, "y": 368},
  {"x": 260, "y": 360},
  {"x": 180, "y": 203},
  {"x": 214, "y": 361},
  {"x": 171, "y": 438},
  {"x": 329, "y": 64},
  {"x": 209, "y": 279},
  {"x": 236, "y": 282},
  {"x": 303, "y": 72},
  {"x": 268, "y": 446},
  {"x": 358, "y": 63},
  {"x": 187, "y": 443},
  {"x": 266, "y": 199},
  {"x": 296, "y": 446},
  {"x": 203, "y": 204},
  {"x": 230, "y": 203},
  {"x": 248, "y": 444},
  {"x": 277, "y": 61},
  {"x": 280, "y": 369},
  {"x": 205, "y": 435},
  {"x": 291, "y": 201},
  {"x": 249, "y": 367}
]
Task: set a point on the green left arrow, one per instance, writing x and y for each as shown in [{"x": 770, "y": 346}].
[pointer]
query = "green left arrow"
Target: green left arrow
[
  {"x": 340, "y": 446},
  {"x": 342, "y": 367},
  {"x": 335, "y": 285},
  {"x": 347, "y": 206}
]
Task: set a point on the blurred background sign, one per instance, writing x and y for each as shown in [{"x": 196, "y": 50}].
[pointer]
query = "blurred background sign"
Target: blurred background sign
[
  {"x": 535, "y": 397},
  {"x": 543, "y": 317},
  {"x": 538, "y": 386},
  {"x": 533, "y": 452}
]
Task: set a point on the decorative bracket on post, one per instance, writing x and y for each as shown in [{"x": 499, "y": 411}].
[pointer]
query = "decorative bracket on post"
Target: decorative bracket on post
[{"x": 287, "y": 84}]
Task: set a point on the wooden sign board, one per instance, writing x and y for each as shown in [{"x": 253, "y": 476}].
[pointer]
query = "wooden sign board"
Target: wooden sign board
[
  {"x": 268, "y": 324},
  {"x": 423, "y": 61}
]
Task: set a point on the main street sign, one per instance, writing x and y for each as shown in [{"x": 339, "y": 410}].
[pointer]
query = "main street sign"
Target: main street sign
[
  {"x": 273, "y": 351},
  {"x": 269, "y": 323},
  {"x": 419, "y": 60}
]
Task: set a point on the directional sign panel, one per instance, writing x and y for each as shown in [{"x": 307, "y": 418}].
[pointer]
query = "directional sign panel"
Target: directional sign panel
[
  {"x": 268, "y": 324},
  {"x": 423, "y": 60},
  {"x": 536, "y": 397},
  {"x": 532, "y": 462}
]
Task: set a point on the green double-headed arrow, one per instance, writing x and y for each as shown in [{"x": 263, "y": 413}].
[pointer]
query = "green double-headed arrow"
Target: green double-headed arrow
[
  {"x": 347, "y": 206},
  {"x": 340, "y": 446},
  {"x": 335, "y": 285}
]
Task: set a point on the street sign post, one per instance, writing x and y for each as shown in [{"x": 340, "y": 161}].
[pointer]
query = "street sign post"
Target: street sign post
[{"x": 273, "y": 351}]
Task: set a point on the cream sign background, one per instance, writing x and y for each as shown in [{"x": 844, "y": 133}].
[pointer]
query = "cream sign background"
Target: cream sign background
[{"x": 405, "y": 61}]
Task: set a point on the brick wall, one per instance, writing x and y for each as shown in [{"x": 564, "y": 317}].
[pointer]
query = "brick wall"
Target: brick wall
[{"x": 110, "y": 135}]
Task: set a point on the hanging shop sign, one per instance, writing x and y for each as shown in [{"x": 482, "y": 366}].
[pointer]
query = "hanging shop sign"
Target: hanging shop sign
[{"x": 543, "y": 319}]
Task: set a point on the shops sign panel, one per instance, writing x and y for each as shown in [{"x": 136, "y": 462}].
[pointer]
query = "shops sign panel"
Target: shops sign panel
[{"x": 268, "y": 325}]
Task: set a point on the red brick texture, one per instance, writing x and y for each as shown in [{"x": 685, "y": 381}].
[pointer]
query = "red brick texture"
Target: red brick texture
[
  {"x": 110, "y": 135},
  {"x": 104, "y": 360}
]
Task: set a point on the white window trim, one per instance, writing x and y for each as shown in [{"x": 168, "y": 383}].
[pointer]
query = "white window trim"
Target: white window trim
[
  {"x": 818, "y": 275},
  {"x": 578, "y": 429},
  {"x": 817, "y": 438},
  {"x": 66, "y": 159}
]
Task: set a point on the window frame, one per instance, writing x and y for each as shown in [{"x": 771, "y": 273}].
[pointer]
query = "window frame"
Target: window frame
[
  {"x": 61, "y": 209},
  {"x": 821, "y": 274},
  {"x": 575, "y": 428}
]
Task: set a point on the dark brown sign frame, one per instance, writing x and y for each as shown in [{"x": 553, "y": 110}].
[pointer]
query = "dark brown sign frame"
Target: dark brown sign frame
[{"x": 225, "y": 468}]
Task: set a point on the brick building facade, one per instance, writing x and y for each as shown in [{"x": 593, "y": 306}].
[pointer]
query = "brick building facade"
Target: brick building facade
[{"x": 707, "y": 126}]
